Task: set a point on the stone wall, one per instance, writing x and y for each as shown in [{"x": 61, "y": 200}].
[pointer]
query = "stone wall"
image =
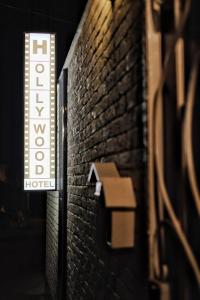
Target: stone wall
[
  {"x": 52, "y": 241},
  {"x": 106, "y": 122}
]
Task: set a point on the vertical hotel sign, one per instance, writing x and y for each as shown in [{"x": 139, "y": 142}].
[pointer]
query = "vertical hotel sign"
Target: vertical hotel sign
[{"x": 39, "y": 112}]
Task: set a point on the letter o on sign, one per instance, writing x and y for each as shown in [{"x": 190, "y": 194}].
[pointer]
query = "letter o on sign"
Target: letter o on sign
[
  {"x": 39, "y": 141},
  {"x": 39, "y": 68},
  {"x": 34, "y": 184},
  {"x": 39, "y": 155}
]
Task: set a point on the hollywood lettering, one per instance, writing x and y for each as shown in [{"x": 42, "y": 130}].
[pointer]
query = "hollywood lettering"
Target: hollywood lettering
[{"x": 39, "y": 129}]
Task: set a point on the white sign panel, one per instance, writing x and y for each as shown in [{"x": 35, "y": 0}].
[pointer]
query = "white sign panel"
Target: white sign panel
[{"x": 39, "y": 112}]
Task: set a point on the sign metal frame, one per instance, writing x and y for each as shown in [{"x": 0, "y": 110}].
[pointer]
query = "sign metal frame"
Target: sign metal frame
[{"x": 39, "y": 111}]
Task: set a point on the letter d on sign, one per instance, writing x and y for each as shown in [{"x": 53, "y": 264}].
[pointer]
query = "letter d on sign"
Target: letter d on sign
[{"x": 39, "y": 170}]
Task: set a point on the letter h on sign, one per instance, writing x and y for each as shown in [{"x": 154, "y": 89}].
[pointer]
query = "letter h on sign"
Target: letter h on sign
[{"x": 37, "y": 46}]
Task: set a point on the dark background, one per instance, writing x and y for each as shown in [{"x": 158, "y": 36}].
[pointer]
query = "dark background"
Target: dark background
[{"x": 17, "y": 17}]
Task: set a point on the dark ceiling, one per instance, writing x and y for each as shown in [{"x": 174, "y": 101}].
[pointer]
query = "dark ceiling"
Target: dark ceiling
[{"x": 17, "y": 17}]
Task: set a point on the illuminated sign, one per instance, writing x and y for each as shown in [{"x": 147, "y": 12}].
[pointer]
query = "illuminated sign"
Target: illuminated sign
[{"x": 39, "y": 112}]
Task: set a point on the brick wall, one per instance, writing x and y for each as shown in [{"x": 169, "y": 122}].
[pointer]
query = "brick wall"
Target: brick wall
[
  {"x": 106, "y": 122},
  {"x": 52, "y": 242}
]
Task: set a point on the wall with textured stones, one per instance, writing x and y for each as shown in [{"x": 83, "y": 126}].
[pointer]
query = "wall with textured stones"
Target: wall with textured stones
[
  {"x": 52, "y": 241},
  {"x": 106, "y": 122}
]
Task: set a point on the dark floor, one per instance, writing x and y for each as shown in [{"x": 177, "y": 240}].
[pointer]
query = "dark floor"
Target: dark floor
[
  {"x": 25, "y": 286},
  {"x": 22, "y": 250}
]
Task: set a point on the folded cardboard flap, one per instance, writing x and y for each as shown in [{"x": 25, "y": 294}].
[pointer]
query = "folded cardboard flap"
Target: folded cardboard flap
[
  {"x": 101, "y": 170},
  {"x": 118, "y": 192},
  {"x": 122, "y": 231}
]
